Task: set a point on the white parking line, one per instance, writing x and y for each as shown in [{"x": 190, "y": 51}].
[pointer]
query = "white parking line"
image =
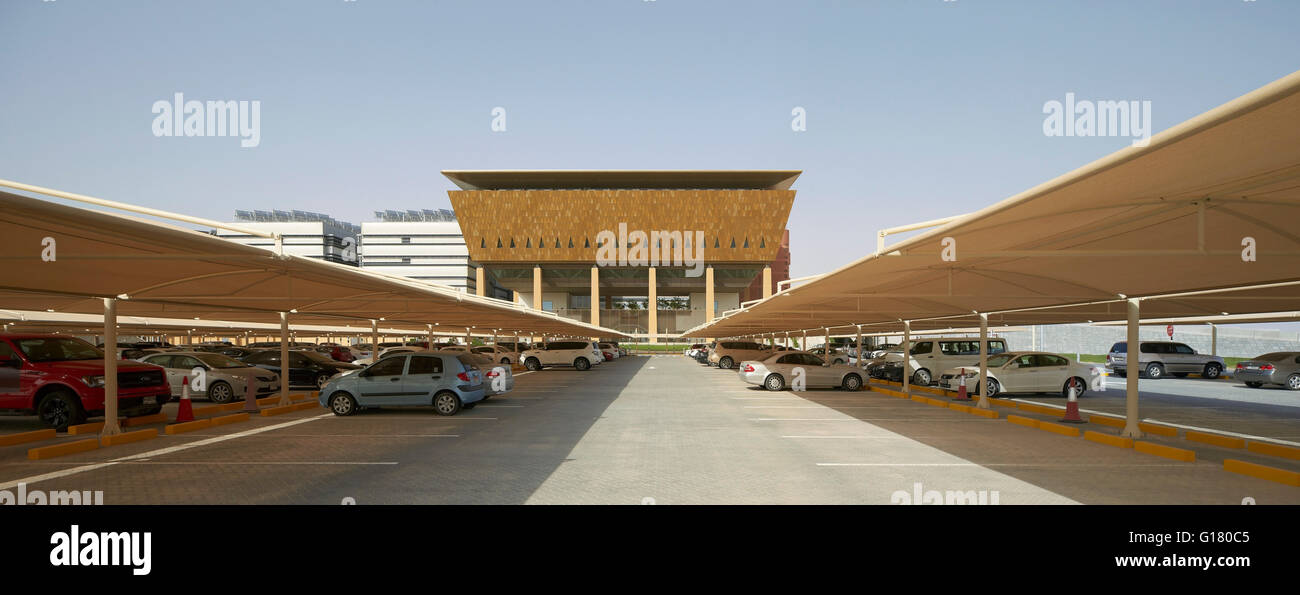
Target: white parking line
[
  {"x": 153, "y": 453},
  {"x": 804, "y": 419},
  {"x": 852, "y": 437},
  {"x": 242, "y": 463},
  {"x": 1169, "y": 423},
  {"x": 799, "y": 407}
]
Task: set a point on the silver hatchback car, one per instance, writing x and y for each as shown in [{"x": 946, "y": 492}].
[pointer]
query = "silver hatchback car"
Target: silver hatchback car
[{"x": 1282, "y": 368}]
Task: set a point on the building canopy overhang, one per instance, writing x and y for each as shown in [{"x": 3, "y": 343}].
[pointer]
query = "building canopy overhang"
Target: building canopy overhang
[
  {"x": 1199, "y": 222},
  {"x": 585, "y": 179}
]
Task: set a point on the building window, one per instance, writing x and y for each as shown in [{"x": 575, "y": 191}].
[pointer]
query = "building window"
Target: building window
[{"x": 548, "y": 306}]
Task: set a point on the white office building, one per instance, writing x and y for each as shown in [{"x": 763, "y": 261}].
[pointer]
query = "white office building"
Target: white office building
[
  {"x": 303, "y": 233},
  {"x": 425, "y": 245}
]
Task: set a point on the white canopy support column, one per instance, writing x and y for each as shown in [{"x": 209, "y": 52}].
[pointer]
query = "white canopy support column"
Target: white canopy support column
[
  {"x": 907, "y": 356},
  {"x": 1214, "y": 339},
  {"x": 111, "y": 427},
  {"x": 983, "y": 382},
  {"x": 285, "y": 364},
  {"x": 430, "y": 336},
  {"x": 374, "y": 340},
  {"x": 1133, "y": 369},
  {"x": 857, "y": 342}
]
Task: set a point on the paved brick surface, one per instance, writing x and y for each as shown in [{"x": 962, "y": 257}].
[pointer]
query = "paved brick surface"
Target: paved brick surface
[{"x": 661, "y": 428}]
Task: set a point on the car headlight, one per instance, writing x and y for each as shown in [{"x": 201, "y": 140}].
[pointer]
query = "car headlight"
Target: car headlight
[
  {"x": 969, "y": 373},
  {"x": 93, "y": 381}
]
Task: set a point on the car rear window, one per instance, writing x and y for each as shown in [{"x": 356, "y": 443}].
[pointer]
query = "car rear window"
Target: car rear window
[
  {"x": 468, "y": 362},
  {"x": 1119, "y": 348}
]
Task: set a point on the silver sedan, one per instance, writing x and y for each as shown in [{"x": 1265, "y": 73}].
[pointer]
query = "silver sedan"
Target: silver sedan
[
  {"x": 1281, "y": 368},
  {"x": 799, "y": 370},
  {"x": 219, "y": 377}
]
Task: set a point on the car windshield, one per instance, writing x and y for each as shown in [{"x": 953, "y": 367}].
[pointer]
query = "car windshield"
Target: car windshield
[
  {"x": 58, "y": 349},
  {"x": 216, "y": 360},
  {"x": 999, "y": 359}
]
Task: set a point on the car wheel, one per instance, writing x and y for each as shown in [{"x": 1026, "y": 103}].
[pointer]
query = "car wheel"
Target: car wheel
[
  {"x": 533, "y": 364},
  {"x": 774, "y": 382},
  {"x": 1293, "y": 382},
  {"x": 505, "y": 361},
  {"x": 61, "y": 409},
  {"x": 921, "y": 377},
  {"x": 1155, "y": 371},
  {"x": 725, "y": 363},
  {"x": 1212, "y": 371},
  {"x": 221, "y": 393},
  {"x": 851, "y": 382},
  {"x": 994, "y": 387},
  {"x": 446, "y": 403},
  {"x": 322, "y": 380},
  {"x": 342, "y": 404},
  {"x": 1254, "y": 384},
  {"x": 1076, "y": 385},
  {"x": 582, "y": 364}
]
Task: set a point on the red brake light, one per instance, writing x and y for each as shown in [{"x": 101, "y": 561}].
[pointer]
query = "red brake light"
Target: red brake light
[
  {"x": 1266, "y": 367},
  {"x": 1239, "y": 366},
  {"x": 464, "y": 376},
  {"x": 749, "y": 368}
]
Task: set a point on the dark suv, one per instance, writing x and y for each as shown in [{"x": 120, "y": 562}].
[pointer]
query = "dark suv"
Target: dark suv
[{"x": 61, "y": 380}]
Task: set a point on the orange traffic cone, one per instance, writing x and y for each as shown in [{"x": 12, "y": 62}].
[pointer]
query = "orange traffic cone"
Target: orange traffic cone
[
  {"x": 185, "y": 412},
  {"x": 1072, "y": 405},
  {"x": 961, "y": 391}
]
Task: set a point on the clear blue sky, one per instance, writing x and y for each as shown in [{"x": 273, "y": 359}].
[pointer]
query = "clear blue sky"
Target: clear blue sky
[{"x": 917, "y": 109}]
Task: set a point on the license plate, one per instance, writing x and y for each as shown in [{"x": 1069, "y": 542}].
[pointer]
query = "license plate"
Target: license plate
[{"x": 150, "y": 400}]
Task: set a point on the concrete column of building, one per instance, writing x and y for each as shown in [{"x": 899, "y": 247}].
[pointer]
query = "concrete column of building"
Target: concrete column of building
[
  {"x": 767, "y": 282},
  {"x": 652, "y": 305},
  {"x": 984, "y": 362},
  {"x": 284, "y": 359},
  {"x": 595, "y": 296},
  {"x": 907, "y": 356},
  {"x": 480, "y": 281},
  {"x": 111, "y": 427},
  {"x": 1133, "y": 369},
  {"x": 537, "y": 287},
  {"x": 708, "y": 293}
]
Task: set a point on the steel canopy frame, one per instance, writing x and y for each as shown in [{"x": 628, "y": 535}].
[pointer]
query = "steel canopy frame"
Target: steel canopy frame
[
  {"x": 59, "y": 258},
  {"x": 1193, "y": 224}
]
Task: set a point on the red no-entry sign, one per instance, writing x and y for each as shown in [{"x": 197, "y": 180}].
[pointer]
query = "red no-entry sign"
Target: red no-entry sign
[{"x": 1170, "y": 329}]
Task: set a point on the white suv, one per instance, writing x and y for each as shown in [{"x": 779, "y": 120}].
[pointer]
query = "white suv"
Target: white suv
[{"x": 581, "y": 355}]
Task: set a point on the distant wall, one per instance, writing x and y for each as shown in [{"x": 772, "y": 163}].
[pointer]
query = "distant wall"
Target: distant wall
[{"x": 1083, "y": 338}]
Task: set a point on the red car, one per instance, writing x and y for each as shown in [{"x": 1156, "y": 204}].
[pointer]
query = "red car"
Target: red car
[{"x": 60, "y": 379}]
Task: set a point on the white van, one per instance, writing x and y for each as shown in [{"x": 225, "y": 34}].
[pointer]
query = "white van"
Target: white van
[{"x": 932, "y": 356}]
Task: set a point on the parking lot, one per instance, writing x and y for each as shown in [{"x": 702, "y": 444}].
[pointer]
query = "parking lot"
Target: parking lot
[{"x": 645, "y": 429}]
